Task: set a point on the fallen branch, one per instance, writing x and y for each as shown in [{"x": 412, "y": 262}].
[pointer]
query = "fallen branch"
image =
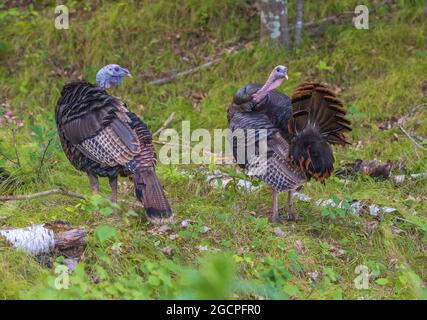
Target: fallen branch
[
  {"x": 412, "y": 112},
  {"x": 56, "y": 237},
  {"x": 404, "y": 118},
  {"x": 184, "y": 73},
  {"x": 412, "y": 138},
  {"x": 415, "y": 176},
  {"x": 43, "y": 194},
  {"x": 165, "y": 124},
  {"x": 60, "y": 191},
  {"x": 372, "y": 168}
]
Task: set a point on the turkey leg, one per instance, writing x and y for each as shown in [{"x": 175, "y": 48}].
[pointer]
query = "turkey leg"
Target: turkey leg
[
  {"x": 113, "y": 185},
  {"x": 93, "y": 180},
  {"x": 275, "y": 216},
  {"x": 292, "y": 215}
]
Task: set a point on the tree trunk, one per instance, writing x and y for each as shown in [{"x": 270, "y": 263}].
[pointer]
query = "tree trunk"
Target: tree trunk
[
  {"x": 298, "y": 22},
  {"x": 274, "y": 21},
  {"x": 285, "y": 26}
]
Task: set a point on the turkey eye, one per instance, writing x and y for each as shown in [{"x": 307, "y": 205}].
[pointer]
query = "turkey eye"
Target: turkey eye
[
  {"x": 278, "y": 70},
  {"x": 116, "y": 69}
]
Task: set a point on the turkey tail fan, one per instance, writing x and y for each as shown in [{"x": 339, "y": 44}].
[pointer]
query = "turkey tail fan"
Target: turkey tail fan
[
  {"x": 316, "y": 106},
  {"x": 149, "y": 191},
  {"x": 317, "y": 121}
]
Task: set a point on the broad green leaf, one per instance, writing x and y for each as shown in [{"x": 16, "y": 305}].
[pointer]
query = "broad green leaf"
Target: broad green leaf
[
  {"x": 105, "y": 232},
  {"x": 382, "y": 281}
]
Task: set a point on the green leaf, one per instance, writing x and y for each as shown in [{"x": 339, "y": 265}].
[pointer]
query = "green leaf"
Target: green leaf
[
  {"x": 338, "y": 294},
  {"x": 154, "y": 281},
  {"x": 336, "y": 200},
  {"x": 101, "y": 273},
  {"x": 292, "y": 254},
  {"x": 291, "y": 290},
  {"x": 341, "y": 212},
  {"x": 106, "y": 211},
  {"x": 330, "y": 273},
  {"x": 97, "y": 199},
  {"x": 105, "y": 232},
  {"x": 322, "y": 66},
  {"x": 325, "y": 211},
  {"x": 132, "y": 213},
  {"x": 381, "y": 281}
]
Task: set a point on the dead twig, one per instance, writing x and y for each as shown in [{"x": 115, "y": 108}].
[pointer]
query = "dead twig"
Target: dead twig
[
  {"x": 165, "y": 124},
  {"x": 184, "y": 73},
  {"x": 43, "y": 157},
  {"x": 412, "y": 112},
  {"x": 18, "y": 162},
  {"x": 404, "y": 118}
]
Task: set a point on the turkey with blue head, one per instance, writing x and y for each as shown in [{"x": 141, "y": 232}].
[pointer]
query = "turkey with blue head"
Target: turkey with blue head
[
  {"x": 101, "y": 137},
  {"x": 298, "y": 133}
]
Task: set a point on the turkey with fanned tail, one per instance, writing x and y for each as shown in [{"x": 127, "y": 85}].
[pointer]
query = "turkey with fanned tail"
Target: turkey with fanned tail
[
  {"x": 294, "y": 134},
  {"x": 101, "y": 137}
]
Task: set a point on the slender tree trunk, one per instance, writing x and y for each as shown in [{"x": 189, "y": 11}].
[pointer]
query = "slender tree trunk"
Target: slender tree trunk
[
  {"x": 298, "y": 22},
  {"x": 285, "y": 26},
  {"x": 274, "y": 21}
]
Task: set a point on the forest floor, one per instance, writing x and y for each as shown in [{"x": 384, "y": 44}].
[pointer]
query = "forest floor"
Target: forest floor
[{"x": 226, "y": 247}]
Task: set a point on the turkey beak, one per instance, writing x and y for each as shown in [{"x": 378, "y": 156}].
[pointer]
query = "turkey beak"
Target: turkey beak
[
  {"x": 127, "y": 73},
  {"x": 285, "y": 74}
]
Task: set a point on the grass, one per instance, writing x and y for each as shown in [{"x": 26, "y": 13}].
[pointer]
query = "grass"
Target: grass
[{"x": 380, "y": 72}]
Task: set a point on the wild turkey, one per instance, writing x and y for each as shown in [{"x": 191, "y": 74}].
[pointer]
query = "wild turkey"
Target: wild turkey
[
  {"x": 298, "y": 133},
  {"x": 101, "y": 137}
]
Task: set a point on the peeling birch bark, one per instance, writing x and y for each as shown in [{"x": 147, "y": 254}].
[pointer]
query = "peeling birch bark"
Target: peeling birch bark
[
  {"x": 50, "y": 238},
  {"x": 357, "y": 206}
]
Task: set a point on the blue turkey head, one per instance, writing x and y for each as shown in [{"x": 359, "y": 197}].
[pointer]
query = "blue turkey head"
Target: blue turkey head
[{"x": 111, "y": 75}]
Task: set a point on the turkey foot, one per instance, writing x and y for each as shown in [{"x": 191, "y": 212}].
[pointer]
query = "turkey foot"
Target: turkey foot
[{"x": 293, "y": 216}]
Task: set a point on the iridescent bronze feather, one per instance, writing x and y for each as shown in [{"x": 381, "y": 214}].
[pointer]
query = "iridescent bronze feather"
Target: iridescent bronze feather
[
  {"x": 101, "y": 137},
  {"x": 299, "y": 132}
]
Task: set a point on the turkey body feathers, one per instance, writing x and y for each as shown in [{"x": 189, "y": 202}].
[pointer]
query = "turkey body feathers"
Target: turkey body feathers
[
  {"x": 100, "y": 136},
  {"x": 298, "y": 132},
  {"x": 271, "y": 114}
]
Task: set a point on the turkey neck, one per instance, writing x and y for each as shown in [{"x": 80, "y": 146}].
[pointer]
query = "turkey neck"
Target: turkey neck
[{"x": 269, "y": 85}]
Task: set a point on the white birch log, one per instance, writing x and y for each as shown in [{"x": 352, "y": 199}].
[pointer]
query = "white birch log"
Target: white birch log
[{"x": 42, "y": 239}]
